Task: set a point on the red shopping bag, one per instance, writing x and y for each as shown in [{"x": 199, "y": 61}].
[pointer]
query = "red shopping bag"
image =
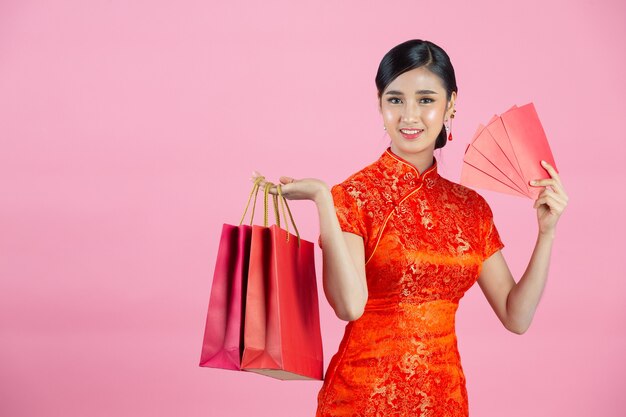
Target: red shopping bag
[
  {"x": 282, "y": 337},
  {"x": 222, "y": 345}
]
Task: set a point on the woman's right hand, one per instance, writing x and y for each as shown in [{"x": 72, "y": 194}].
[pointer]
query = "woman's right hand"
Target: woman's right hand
[{"x": 294, "y": 189}]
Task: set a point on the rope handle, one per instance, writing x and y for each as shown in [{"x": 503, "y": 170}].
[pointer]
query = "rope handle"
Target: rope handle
[
  {"x": 284, "y": 200},
  {"x": 268, "y": 185},
  {"x": 276, "y": 215},
  {"x": 255, "y": 187},
  {"x": 276, "y": 200}
]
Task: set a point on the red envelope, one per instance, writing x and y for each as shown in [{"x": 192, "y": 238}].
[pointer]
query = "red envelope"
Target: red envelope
[
  {"x": 489, "y": 158},
  {"x": 474, "y": 176},
  {"x": 529, "y": 143},
  {"x": 506, "y": 155}
]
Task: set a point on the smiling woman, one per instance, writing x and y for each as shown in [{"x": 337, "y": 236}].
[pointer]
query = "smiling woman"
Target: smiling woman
[
  {"x": 401, "y": 246},
  {"x": 415, "y": 79},
  {"x": 415, "y": 107}
]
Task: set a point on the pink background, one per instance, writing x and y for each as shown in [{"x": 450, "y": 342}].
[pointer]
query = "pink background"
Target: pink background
[{"x": 129, "y": 131}]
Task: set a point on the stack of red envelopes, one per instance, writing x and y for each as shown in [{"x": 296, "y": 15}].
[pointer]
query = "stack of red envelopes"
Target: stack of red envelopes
[{"x": 506, "y": 154}]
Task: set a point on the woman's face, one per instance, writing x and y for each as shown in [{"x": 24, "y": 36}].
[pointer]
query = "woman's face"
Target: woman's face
[{"x": 415, "y": 100}]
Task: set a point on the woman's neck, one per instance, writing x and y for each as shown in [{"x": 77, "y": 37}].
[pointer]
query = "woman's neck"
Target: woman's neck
[{"x": 420, "y": 160}]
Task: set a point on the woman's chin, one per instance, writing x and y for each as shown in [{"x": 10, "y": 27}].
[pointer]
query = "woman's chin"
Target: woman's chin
[{"x": 414, "y": 145}]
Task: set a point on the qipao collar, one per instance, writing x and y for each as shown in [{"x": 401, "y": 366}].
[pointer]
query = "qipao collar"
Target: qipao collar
[{"x": 401, "y": 177}]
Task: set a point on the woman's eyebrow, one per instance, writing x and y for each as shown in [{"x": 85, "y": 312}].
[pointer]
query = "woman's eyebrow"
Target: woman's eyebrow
[{"x": 399, "y": 93}]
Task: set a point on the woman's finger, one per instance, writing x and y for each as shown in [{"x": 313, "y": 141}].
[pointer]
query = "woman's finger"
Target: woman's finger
[
  {"x": 272, "y": 189},
  {"x": 255, "y": 175},
  {"x": 555, "y": 175},
  {"x": 545, "y": 182},
  {"x": 552, "y": 200},
  {"x": 550, "y": 182},
  {"x": 557, "y": 197},
  {"x": 284, "y": 180},
  {"x": 263, "y": 182},
  {"x": 553, "y": 206},
  {"x": 554, "y": 182},
  {"x": 550, "y": 170}
]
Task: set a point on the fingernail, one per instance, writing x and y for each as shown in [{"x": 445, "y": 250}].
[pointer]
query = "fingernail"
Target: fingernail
[
  {"x": 533, "y": 182},
  {"x": 543, "y": 162}
]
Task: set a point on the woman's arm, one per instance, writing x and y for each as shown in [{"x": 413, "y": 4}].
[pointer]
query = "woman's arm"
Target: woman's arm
[
  {"x": 515, "y": 303},
  {"x": 344, "y": 280},
  {"x": 343, "y": 261}
]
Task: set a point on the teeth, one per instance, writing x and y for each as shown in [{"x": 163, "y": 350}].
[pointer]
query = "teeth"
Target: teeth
[{"x": 410, "y": 132}]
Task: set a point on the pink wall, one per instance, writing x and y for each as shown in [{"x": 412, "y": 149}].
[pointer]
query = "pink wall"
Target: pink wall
[{"x": 129, "y": 131}]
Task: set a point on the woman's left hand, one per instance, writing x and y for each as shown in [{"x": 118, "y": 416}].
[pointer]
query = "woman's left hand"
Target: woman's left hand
[{"x": 551, "y": 201}]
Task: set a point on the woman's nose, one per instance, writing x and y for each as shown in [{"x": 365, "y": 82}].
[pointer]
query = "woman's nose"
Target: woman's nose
[{"x": 411, "y": 112}]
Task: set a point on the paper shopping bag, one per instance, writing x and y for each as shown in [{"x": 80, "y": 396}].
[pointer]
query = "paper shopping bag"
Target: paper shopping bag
[
  {"x": 282, "y": 337},
  {"x": 222, "y": 345}
]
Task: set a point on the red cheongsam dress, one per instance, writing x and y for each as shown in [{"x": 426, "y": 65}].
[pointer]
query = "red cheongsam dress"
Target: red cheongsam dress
[{"x": 425, "y": 240}]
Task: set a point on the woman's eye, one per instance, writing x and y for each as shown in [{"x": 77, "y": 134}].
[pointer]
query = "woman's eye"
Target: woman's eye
[{"x": 395, "y": 100}]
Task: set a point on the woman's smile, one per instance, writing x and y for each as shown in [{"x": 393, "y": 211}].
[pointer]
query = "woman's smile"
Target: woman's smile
[{"x": 411, "y": 133}]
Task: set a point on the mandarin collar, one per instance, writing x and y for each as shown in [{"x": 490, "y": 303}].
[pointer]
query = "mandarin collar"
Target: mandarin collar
[{"x": 405, "y": 172}]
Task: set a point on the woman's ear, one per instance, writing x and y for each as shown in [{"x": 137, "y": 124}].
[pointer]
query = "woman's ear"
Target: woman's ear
[{"x": 450, "y": 109}]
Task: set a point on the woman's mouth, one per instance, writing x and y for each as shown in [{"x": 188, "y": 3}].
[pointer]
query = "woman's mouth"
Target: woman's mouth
[{"x": 411, "y": 133}]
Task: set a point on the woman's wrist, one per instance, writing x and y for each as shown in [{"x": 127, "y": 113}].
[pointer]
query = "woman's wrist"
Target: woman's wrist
[
  {"x": 323, "y": 196},
  {"x": 547, "y": 235}
]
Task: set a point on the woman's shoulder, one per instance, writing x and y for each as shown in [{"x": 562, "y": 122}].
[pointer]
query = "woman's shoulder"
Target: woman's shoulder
[
  {"x": 361, "y": 188},
  {"x": 465, "y": 194}
]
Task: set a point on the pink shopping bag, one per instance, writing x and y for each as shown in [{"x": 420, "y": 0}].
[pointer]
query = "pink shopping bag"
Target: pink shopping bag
[{"x": 222, "y": 346}]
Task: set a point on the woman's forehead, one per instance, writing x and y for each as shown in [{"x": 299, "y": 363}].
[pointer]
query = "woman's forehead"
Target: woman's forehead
[{"x": 417, "y": 79}]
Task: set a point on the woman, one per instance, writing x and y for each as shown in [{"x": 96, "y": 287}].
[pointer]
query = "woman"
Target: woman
[{"x": 401, "y": 245}]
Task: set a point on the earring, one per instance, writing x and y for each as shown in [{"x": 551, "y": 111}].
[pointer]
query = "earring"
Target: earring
[
  {"x": 384, "y": 127},
  {"x": 448, "y": 132}
]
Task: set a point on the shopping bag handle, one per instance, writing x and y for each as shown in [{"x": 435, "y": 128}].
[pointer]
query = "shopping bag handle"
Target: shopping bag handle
[
  {"x": 284, "y": 203},
  {"x": 255, "y": 187},
  {"x": 284, "y": 200},
  {"x": 265, "y": 205},
  {"x": 266, "y": 192}
]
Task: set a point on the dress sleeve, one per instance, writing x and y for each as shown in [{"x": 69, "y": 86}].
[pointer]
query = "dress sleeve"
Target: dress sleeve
[
  {"x": 347, "y": 211},
  {"x": 491, "y": 238}
]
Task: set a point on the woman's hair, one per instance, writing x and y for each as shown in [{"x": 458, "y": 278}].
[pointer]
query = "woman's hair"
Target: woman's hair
[{"x": 412, "y": 54}]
